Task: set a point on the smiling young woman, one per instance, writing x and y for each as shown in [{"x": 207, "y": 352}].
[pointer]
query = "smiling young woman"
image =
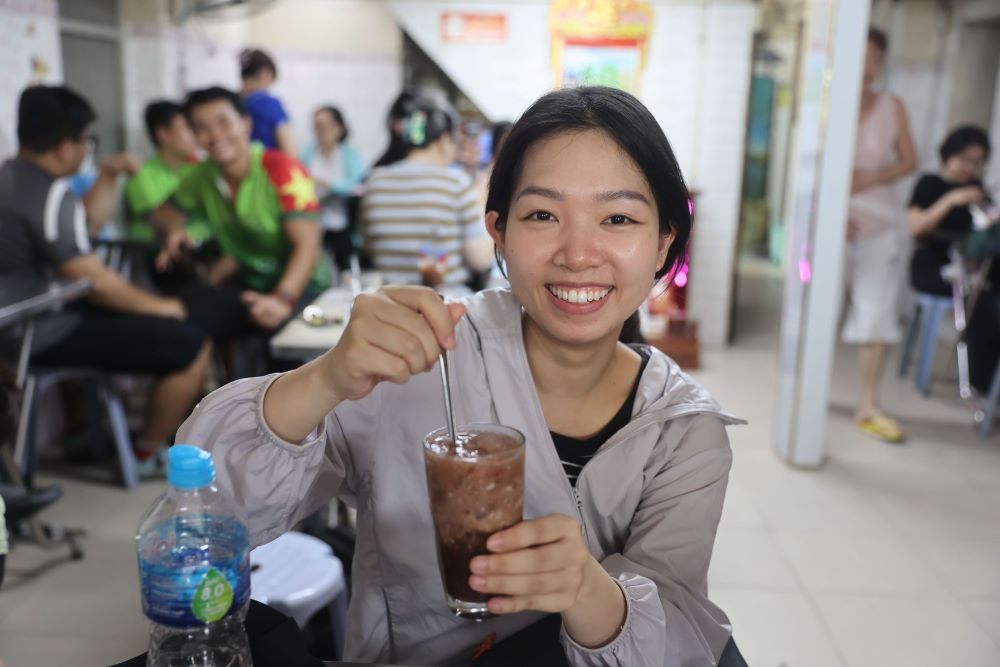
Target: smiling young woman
[{"x": 627, "y": 458}]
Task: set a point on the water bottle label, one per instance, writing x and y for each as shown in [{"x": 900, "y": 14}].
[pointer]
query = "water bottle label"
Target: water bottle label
[
  {"x": 193, "y": 570},
  {"x": 213, "y": 597}
]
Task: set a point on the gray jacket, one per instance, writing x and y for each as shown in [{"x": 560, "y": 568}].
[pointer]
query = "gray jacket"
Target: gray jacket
[{"x": 649, "y": 500}]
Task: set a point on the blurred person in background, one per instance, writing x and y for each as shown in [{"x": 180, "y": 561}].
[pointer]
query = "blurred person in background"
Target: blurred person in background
[
  {"x": 883, "y": 154},
  {"x": 261, "y": 206},
  {"x": 498, "y": 136},
  {"x": 470, "y": 151},
  {"x": 940, "y": 217},
  {"x": 338, "y": 171},
  {"x": 271, "y": 124},
  {"x": 498, "y": 132},
  {"x": 939, "y": 207},
  {"x": 43, "y": 235},
  {"x": 420, "y": 221},
  {"x": 171, "y": 135}
]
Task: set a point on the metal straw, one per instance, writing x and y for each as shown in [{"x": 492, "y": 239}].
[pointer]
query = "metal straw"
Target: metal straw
[{"x": 448, "y": 407}]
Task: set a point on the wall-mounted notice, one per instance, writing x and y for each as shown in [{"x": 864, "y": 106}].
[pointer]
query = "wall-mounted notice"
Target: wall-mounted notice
[{"x": 471, "y": 27}]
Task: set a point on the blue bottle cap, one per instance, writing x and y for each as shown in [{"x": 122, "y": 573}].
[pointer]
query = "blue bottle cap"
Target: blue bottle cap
[{"x": 189, "y": 467}]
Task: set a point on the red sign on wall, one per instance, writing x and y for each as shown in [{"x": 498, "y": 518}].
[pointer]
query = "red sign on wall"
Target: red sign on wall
[{"x": 473, "y": 27}]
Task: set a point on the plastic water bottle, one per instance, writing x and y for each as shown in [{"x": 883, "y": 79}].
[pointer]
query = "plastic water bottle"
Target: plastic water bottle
[{"x": 194, "y": 569}]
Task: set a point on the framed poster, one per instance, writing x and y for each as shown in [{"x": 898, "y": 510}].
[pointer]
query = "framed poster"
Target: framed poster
[{"x": 600, "y": 42}]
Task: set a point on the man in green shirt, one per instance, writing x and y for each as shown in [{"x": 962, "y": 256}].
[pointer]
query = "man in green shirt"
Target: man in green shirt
[
  {"x": 261, "y": 206},
  {"x": 157, "y": 179}
]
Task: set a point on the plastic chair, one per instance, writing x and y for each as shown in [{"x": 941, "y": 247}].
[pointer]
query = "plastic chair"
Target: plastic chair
[
  {"x": 39, "y": 379},
  {"x": 298, "y": 575},
  {"x": 925, "y": 323}
]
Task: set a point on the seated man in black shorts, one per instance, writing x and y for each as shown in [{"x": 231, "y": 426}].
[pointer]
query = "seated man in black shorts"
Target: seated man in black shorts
[{"x": 43, "y": 235}]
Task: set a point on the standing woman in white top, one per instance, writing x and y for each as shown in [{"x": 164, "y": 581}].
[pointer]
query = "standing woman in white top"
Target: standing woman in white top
[
  {"x": 337, "y": 170},
  {"x": 420, "y": 221},
  {"x": 883, "y": 154}
]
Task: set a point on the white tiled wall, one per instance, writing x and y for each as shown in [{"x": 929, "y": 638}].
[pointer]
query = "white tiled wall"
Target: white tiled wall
[
  {"x": 345, "y": 53},
  {"x": 30, "y": 31},
  {"x": 726, "y": 76}
]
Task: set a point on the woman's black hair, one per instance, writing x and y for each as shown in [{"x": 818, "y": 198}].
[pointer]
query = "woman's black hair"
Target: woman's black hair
[
  {"x": 425, "y": 121},
  {"x": 255, "y": 61},
  {"x": 338, "y": 118},
  {"x": 498, "y": 134},
  {"x": 879, "y": 39},
  {"x": 396, "y": 150},
  {"x": 961, "y": 138},
  {"x": 625, "y": 120}
]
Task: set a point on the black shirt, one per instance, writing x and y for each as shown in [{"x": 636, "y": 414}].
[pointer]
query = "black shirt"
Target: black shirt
[
  {"x": 574, "y": 453},
  {"x": 930, "y": 251}
]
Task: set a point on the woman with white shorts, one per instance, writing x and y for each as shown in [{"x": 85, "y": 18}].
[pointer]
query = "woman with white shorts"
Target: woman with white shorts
[{"x": 883, "y": 154}]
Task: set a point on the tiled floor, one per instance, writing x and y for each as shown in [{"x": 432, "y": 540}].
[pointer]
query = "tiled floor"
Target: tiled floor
[{"x": 887, "y": 556}]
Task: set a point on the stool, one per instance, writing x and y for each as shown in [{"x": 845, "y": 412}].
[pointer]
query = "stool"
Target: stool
[
  {"x": 298, "y": 575},
  {"x": 926, "y": 321}
]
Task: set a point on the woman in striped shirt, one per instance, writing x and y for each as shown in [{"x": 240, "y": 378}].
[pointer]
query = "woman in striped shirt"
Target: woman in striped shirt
[{"x": 420, "y": 222}]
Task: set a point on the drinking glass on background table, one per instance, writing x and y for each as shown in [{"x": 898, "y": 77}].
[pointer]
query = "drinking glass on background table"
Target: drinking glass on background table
[
  {"x": 476, "y": 489},
  {"x": 363, "y": 282}
]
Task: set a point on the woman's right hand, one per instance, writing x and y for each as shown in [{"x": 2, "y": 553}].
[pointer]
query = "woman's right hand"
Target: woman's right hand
[
  {"x": 391, "y": 335},
  {"x": 969, "y": 194}
]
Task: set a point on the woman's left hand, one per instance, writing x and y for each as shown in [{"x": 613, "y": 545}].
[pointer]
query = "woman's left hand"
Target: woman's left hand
[{"x": 540, "y": 564}]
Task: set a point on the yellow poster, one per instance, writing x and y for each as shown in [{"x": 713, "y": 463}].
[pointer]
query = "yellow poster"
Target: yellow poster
[{"x": 600, "y": 42}]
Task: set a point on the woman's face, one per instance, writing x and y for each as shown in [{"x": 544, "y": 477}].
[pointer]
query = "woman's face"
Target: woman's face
[
  {"x": 582, "y": 241},
  {"x": 328, "y": 131},
  {"x": 874, "y": 58},
  {"x": 966, "y": 165}
]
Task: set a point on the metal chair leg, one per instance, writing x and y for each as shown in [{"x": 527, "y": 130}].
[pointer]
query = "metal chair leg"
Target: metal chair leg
[
  {"x": 119, "y": 431},
  {"x": 24, "y": 450}
]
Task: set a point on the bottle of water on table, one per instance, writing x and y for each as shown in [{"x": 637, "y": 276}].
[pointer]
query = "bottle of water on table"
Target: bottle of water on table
[{"x": 194, "y": 569}]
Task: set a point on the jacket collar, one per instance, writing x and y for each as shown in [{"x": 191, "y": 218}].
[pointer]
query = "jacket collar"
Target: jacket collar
[{"x": 664, "y": 390}]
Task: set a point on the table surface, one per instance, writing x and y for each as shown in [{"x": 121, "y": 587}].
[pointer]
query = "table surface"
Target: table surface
[
  {"x": 19, "y": 302},
  {"x": 299, "y": 340}
]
